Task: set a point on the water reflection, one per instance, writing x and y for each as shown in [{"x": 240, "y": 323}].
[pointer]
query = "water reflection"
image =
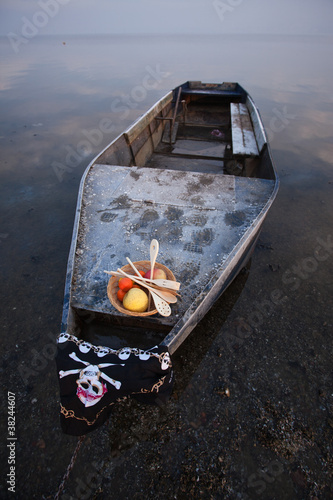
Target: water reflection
[{"x": 188, "y": 358}]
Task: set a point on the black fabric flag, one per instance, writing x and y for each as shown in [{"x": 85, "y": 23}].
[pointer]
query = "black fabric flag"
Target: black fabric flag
[{"x": 92, "y": 378}]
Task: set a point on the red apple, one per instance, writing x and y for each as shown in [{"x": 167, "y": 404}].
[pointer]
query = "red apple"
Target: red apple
[{"x": 159, "y": 274}]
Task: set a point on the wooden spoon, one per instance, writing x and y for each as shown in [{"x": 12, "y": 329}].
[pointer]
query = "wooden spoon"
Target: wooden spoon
[
  {"x": 154, "y": 247},
  {"x": 173, "y": 286},
  {"x": 163, "y": 283}
]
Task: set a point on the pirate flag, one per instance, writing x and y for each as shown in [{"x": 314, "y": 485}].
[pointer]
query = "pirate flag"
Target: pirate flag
[{"x": 92, "y": 378}]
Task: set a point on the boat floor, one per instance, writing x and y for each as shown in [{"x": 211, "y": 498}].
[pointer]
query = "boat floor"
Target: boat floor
[{"x": 198, "y": 218}]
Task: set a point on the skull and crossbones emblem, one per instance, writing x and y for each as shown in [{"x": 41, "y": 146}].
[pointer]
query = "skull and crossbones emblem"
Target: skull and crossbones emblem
[{"x": 90, "y": 389}]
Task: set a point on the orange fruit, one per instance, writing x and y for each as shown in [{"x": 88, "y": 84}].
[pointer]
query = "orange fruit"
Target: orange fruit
[
  {"x": 121, "y": 294},
  {"x": 125, "y": 284},
  {"x": 142, "y": 273}
]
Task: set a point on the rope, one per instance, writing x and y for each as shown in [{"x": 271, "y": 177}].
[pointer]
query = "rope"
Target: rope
[{"x": 70, "y": 467}]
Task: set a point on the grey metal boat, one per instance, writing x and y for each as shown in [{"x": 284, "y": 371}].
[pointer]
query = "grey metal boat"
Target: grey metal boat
[{"x": 194, "y": 172}]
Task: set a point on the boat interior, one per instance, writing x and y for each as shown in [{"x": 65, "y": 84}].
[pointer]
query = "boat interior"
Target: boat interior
[{"x": 208, "y": 128}]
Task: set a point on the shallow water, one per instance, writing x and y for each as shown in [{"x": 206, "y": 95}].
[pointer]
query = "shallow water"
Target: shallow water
[{"x": 268, "y": 340}]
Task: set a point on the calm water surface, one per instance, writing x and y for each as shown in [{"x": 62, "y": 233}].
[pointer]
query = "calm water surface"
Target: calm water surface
[{"x": 62, "y": 101}]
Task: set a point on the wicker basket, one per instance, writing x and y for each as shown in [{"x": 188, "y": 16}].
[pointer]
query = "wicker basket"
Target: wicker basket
[{"x": 141, "y": 265}]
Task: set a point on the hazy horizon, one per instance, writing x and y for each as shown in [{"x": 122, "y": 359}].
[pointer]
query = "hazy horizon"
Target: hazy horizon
[{"x": 26, "y": 18}]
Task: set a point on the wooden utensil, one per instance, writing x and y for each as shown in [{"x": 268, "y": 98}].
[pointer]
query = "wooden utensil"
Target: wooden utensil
[
  {"x": 161, "y": 304},
  {"x": 154, "y": 247},
  {"x": 163, "y": 283},
  {"x": 167, "y": 295},
  {"x": 172, "y": 286},
  {"x": 164, "y": 294}
]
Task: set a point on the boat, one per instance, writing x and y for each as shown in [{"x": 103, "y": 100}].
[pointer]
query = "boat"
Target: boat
[{"x": 194, "y": 172}]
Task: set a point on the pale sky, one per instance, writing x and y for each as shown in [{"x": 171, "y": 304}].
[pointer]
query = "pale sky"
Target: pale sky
[{"x": 306, "y": 17}]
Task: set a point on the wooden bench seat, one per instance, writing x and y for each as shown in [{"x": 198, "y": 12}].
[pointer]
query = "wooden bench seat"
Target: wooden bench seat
[{"x": 243, "y": 139}]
